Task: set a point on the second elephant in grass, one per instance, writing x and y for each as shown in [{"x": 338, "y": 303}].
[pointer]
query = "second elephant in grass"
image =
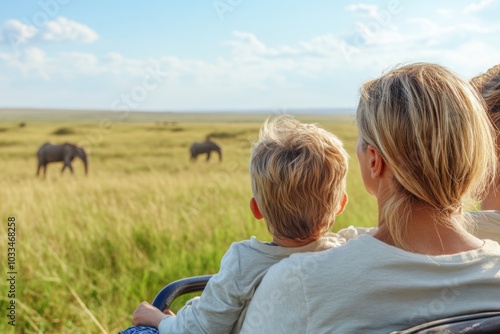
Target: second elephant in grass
[{"x": 205, "y": 147}]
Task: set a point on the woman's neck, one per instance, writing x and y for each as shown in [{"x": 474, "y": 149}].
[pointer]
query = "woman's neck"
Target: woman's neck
[{"x": 423, "y": 235}]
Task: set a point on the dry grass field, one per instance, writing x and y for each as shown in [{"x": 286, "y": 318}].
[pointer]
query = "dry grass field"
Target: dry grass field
[{"x": 88, "y": 249}]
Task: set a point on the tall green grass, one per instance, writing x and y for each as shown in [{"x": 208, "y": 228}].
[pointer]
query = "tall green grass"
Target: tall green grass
[{"x": 89, "y": 249}]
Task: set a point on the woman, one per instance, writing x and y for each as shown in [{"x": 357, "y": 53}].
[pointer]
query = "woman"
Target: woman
[
  {"x": 425, "y": 144},
  {"x": 488, "y": 220}
]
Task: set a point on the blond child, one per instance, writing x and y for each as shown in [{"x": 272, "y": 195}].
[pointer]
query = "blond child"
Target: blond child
[{"x": 298, "y": 175}]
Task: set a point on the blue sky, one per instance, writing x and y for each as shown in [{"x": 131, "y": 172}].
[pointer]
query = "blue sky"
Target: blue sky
[{"x": 229, "y": 54}]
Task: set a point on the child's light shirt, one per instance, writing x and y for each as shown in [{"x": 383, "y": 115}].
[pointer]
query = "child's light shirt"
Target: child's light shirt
[{"x": 222, "y": 305}]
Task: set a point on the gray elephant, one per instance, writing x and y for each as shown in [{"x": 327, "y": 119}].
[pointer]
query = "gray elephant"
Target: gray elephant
[
  {"x": 66, "y": 152},
  {"x": 205, "y": 147}
]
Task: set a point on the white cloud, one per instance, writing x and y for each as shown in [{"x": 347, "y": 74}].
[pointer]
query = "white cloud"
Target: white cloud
[
  {"x": 15, "y": 32},
  {"x": 61, "y": 29},
  {"x": 364, "y": 9},
  {"x": 35, "y": 56},
  {"x": 115, "y": 63},
  {"x": 79, "y": 64},
  {"x": 421, "y": 34},
  {"x": 475, "y": 7},
  {"x": 246, "y": 40},
  {"x": 246, "y": 47},
  {"x": 31, "y": 60},
  {"x": 322, "y": 45},
  {"x": 456, "y": 33}
]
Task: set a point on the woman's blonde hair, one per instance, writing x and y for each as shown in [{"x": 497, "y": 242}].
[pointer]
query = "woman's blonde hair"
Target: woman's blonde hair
[
  {"x": 431, "y": 129},
  {"x": 298, "y": 174}
]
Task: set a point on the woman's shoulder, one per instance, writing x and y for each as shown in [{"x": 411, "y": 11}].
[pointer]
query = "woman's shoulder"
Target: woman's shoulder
[{"x": 350, "y": 253}]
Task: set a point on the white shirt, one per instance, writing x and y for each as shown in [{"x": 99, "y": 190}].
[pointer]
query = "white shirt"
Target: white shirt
[{"x": 367, "y": 286}]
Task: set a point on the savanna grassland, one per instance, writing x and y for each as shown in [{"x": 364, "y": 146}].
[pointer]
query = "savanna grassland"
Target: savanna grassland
[{"x": 90, "y": 248}]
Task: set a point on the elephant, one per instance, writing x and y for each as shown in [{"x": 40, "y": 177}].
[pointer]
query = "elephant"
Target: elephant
[
  {"x": 205, "y": 147},
  {"x": 63, "y": 152}
]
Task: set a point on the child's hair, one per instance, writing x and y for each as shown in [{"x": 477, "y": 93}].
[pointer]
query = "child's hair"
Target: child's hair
[
  {"x": 431, "y": 129},
  {"x": 298, "y": 174}
]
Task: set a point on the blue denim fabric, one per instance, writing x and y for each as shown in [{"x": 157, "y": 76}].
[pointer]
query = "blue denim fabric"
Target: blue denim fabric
[{"x": 140, "y": 330}]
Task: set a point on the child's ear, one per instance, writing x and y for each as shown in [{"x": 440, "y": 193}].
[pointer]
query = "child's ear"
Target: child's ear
[
  {"x": 342, "y": 204},
  {"x": 255, "y": 209}
]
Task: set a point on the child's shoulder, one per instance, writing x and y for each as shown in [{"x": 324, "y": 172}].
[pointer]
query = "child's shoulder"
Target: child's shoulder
[{"x": 247, "y": 246}]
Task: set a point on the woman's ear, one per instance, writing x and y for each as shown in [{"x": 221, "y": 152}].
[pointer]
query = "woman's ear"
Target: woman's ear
[
  {"x": 375, "y": 161},
  {"x": 255, "y": 209}
]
